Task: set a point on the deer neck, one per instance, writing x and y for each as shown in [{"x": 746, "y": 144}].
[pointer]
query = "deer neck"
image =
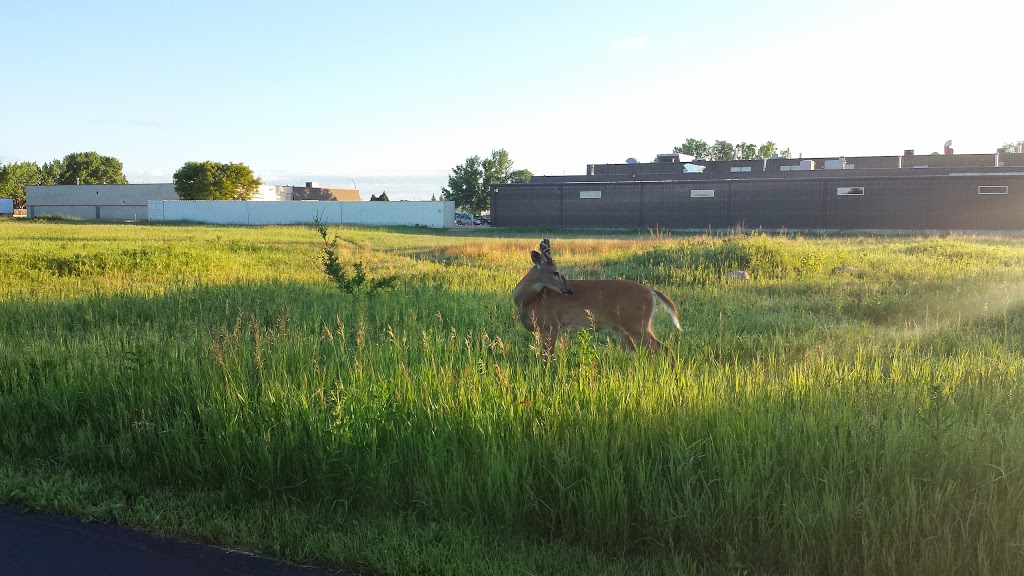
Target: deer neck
[{"x": 524, "y": 292}]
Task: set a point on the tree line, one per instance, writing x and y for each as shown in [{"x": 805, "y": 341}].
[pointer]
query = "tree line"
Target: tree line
[
  {"x": 725, "y": 150},
  {"x": 193, "y": 181},
  {"x": 1012, "y": 147},
  {"x": 75, "y": 168}
]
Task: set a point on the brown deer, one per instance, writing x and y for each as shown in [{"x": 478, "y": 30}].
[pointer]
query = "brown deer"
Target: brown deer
[{"x": 549, "y": 304}]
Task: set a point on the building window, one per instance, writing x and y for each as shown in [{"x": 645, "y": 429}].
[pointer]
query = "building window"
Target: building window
[
  {"x": 785, "y": 168},
  {"x": 993, "y": 189},
  {"x": 850, "y": 191},
  {"x": 592, "y": 194},
  {"x": 702, "y": 193},
  {"x": 740, "y": 169}
]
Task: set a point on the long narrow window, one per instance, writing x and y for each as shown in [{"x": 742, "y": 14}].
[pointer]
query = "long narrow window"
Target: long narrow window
[
  {"x": 594, "y": 194},
  {"x": 702, "y": 193},
  {"x": 993, "y": 189},
  {"x": 850, "y": 191}
]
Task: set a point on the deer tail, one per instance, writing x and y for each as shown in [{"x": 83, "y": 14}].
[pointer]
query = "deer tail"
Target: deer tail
[{"x": 669, "y": 306}]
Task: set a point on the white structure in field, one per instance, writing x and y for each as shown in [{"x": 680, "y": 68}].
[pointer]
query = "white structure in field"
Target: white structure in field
[
  {"x": 271, "y": 193},
  {"x": 273, "y": 205},
  {"x": 96, "y": 201},
  {"x": 429, "y": 214},
  {"x": 6, "y": 206}
]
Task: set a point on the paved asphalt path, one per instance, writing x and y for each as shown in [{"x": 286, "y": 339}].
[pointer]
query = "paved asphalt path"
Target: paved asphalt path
[{"x": 37, "y": 544}]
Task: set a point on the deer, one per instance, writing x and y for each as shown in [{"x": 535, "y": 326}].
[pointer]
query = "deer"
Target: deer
[{"x": 549, "y": 304}]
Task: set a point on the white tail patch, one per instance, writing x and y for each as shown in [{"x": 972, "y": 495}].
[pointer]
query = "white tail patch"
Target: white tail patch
[{"x": 672, "y": 313}]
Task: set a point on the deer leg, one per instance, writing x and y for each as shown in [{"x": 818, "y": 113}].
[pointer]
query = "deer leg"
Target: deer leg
[
  {"x": 655, "y": 345},
  {"x": 651, "y": 341},
  {"x": 626, "y": 340}
]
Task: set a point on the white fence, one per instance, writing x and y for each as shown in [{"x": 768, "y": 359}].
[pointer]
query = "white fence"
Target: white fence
[{"x": 429, "y": 214}]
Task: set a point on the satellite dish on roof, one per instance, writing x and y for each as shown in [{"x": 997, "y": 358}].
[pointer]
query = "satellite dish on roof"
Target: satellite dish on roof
[
  {"x": 631, "y": 161},
  {"x": 948, "y": 144}
]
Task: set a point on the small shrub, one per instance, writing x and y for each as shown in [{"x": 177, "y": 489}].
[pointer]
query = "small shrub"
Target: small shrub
[{"x": 346, "y": 281}]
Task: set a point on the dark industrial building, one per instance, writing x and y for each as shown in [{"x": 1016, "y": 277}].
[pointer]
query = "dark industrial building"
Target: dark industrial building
[{"x": 915, "y": 192}]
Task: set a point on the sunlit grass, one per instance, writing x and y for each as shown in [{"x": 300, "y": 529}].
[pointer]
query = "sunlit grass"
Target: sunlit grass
[{"x": 853, "y": 408}]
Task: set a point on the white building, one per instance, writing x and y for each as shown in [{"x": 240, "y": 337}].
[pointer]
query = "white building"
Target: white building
[
  {"x": 115, "y": 201},
  {"x": 96, "y": 201}
]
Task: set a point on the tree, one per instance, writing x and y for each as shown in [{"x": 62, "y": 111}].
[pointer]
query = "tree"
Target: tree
[
  {"x": 382, "y": 198},
  {"x": 695, "y": 148},
  {"x": 766, "y": 150},
  {"x": 50, "y": 172},
  {"x": 15, "y": 177},
  {"x": 468, "y": 183},
  {"x": 1011, "y": 147},
  {"x": 722, "y": 150},
  {"x": 215, "y": 181},
  {"x": 433, "y": 197},
  {"x": 86, "y": 168},
  {"x": 746, "y": 151},
  {"x": 498, "y": 170}
]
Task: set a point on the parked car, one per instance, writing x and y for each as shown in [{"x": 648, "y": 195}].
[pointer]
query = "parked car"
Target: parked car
[{"x": 464, "y": 219}]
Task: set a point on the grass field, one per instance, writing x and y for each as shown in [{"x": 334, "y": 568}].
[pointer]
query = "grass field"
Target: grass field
[{"x": 208, "y": 382}]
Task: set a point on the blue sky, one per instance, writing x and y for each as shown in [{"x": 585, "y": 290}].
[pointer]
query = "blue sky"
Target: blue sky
[{"x": 391, "y": 96}]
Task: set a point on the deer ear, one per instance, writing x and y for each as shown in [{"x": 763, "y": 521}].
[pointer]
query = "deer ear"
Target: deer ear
[{"x": 537, "y": 259}]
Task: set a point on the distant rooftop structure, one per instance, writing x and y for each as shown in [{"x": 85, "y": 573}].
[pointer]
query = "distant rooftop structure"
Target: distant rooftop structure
[
  {"x": 674, "y": 158},
  {"x": 313, "y": 191}
]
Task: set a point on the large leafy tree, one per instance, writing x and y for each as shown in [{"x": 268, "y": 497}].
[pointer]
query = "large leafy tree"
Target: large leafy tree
[
  {"x": 466, "y": 186},
  {"x": 468, "y": 182},
  {"x": 85, "y": 168},
  {"x": 694, "y": 147},
  {"x": 765, "y": 151},
  {"x": 498, "y": 170},
  {"x": 723, "y": 150},
  {"x": 15, "y": 177},
  {"x": 215, "y": 181},
  {"x": 746, "y": 151},
  {"x": 51, "y": 172},
  {"x": 1011, "y": 147}
]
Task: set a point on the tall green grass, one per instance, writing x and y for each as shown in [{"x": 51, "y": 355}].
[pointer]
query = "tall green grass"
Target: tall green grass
[{"x": 819, "y": 419}]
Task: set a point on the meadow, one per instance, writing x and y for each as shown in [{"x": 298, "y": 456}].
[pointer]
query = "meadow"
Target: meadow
[{"x": 855, "y": 408}]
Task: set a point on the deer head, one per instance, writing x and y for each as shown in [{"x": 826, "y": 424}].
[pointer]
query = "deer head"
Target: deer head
[{"x": 544, "y": 271}]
